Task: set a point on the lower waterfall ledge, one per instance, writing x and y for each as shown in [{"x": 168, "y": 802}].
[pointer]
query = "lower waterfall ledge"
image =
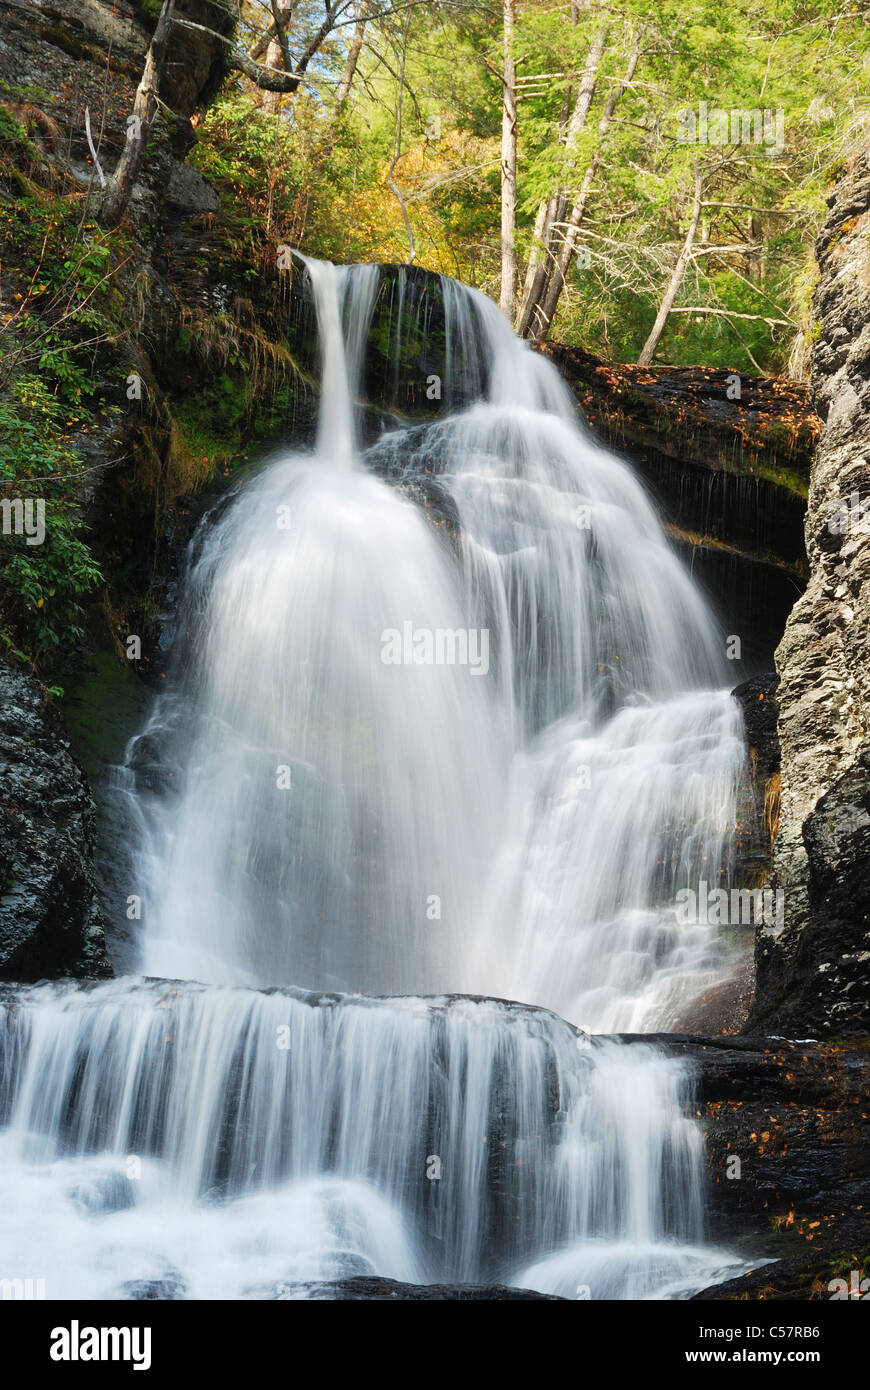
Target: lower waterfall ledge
[{"x": 372, "y": 1289}]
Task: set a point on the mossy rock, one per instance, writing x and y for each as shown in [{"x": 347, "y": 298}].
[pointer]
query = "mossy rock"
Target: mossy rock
[{"x": 62, "y": 38}]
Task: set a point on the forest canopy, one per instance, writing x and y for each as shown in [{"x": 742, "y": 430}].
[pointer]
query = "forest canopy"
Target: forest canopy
[
  {"x": 646, "y": 181},
  {"x": 671, "y": 160}
]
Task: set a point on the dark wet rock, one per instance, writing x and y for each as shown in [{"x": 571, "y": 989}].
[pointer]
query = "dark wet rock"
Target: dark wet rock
[
  {"x": 100, "y": 1195},
  {"x": 814, "y": 972},
  {"x": 170, "y": 1287},
  {"x": 751, "y": 596},
  {"x": 820, "y": 1271},
  {"x": 370, "y": 1289},
  {"x": 787, "y": 1128},
  {"x": 189, "y": 192},
  {"x": 758, "y": 704},
  {"x": 152, "y": 770},
  {"x": 758, "y": 799},
  {"x": 722, "y": 1008},
  {"x": 50, "y": 919}
]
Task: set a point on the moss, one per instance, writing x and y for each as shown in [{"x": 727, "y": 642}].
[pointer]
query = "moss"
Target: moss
[
  {"x": 101, "y": 709},
  {"x": 61, "y": 38},
  {"x": 197, "y": 450},
  {"x": 783, "y": 478}
]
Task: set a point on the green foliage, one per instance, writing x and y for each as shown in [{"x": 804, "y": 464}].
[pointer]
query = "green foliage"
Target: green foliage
[
  {"x": 279, "y": 183},
  {"x": 318, "y": 180},
  {"x": 58, "y": 344},
  {"x": 42, "y": 586},
  {"x": 13, "y": 133}
]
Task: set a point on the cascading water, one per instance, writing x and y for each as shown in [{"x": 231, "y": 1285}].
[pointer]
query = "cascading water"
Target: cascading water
[
  {"x": 401, "y": 770},
  {"x": 230, "y": 1142},
  {"x": 325, "y": 794},
  {"x": 625, "y": 758}
]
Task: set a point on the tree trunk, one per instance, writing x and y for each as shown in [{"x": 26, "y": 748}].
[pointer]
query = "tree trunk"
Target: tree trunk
[
  {"x": 676, "y": 279},
  {"x": 559, "y": 270},
  {"x": 547, "y": 305},
  {"x": 278, "y": 56},
  {"x": 541, "y": 260},
  {"x": 756, "y": 236},
  {"x": 120, "y": 185},
  {"x": 536, "y": 270},
  {"x": 273, "y": 61},
  {"x": 347, "y": 76},
  {"x": 509, "y": 167}
]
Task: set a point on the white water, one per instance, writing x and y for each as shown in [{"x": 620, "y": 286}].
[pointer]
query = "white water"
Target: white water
[
  {"x": 239, "y": 1141},
  {"x": 340, "y": 823}
]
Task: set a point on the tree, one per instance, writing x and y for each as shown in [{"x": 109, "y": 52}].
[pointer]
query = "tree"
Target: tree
[
  {"x": 280, "y": 75},
  {"x": 552, "y": 209},
  {"x": 559, "y": 268},
  {"x": 120, "y": 185},
  {"x": 353, "y": 55},
  {"x": 278, "y": 53},
  {"x": 509, "y": 166},
  {"x": 676, "y": 280}
]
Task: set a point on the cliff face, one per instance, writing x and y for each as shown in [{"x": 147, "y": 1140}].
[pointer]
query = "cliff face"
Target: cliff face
[
  {"x": 814, "y": 976},
  {"x": 50, "y": 920},
  {"x": 64, "y": 66}
]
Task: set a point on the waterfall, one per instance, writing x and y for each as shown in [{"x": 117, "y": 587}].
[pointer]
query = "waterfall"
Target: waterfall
[
  {"x": 400, "y": 758},
  {"x": 625, "y": 752},
  {"x": 235, "y": 1141}
]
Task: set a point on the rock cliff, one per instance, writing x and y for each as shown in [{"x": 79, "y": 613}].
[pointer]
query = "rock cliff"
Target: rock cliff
[
  {"x": 50, "y": 920},
  {"x": 814, "y": 974}
]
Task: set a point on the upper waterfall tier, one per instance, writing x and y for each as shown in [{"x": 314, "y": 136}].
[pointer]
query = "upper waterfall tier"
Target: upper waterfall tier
[{"x": 407, "y": 756}]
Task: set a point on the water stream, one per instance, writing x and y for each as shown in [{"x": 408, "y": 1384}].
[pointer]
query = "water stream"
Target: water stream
[{"x": 412, "y": 760}]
